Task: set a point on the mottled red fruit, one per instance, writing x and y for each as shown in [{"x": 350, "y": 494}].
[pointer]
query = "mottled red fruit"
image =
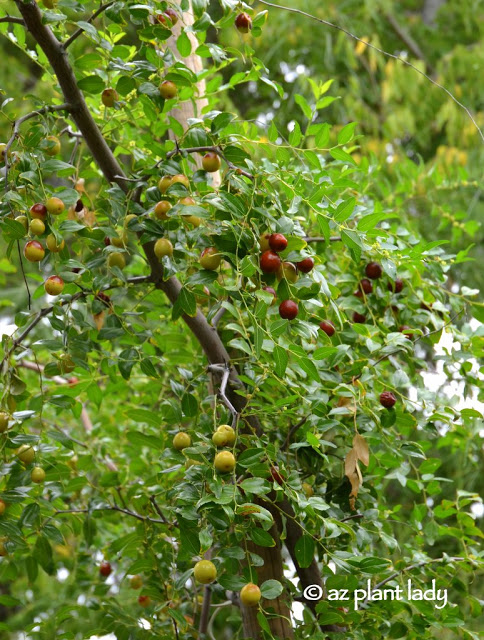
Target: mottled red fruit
[
  {"x": 243, "y": 22},
  {"x": 105, "y": 569},
  {"x": 271, "y": 290},
  {"x": 387, "y": 399},
  {"x": 306, "y": 265},
  {"x": 288, "y": 310},
  {"x": 373, "y": 270},
  {"x": 109, "y": 97},
  {"x": 144, "y": 601},
  {"x": 270, "y": 262},
  {"x": 396, "y": 286},
  {"x": 73, "y": 381},
  {"x": 38, "y": 211},
  {"x": 211, "y": 162},
  {"x": 168, "y": 90},
  {"x": 359, "y": 318},
  {"x": 366, "y": 286},
  {"x": 54, "y": 285},
  {"x": 276, "y": 475},
  {"x": 169, "y": 16},
  {"x": 277, "y": 242},
  {"x": 34, "y": 251},
  {"x": 407, "y": 331},
  {"x": 327, "y": 327}
]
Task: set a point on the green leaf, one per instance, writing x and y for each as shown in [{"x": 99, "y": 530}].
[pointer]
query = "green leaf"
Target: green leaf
[
  {"x": 346, "y": 133},
  {"x": 280, "y": 360},
  {"x": 261, "y": 538},
  {"x": 43, "y": 554},
  {"x": 271, "y": 589},
  {"x": 184, "y": 45},
  {"x": 91, "y": 84},
  {"x": 339, "y": 154},
  {"x": 304, "y": 550}
]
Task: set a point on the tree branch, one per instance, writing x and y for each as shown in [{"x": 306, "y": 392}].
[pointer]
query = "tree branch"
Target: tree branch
[
  {"x": 217, "y": 150},
  {"x": 80, "y": 31},
  {"x": 322, "y": 239},
  {"x": 12, "y": 20}
]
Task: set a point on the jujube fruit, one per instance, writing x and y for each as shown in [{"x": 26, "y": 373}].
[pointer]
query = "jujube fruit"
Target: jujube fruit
[
  {"x": 37, "y": 475},
  {"x": 264, "y": 241},
  {"x": 181, "y": 440},
  {"x": 327, "y": 327},
  {"x": 4, "y": 419},
  {"x": 277, "y": 242},
  {"x": 54, "y": 285},
  {"x": 163, "y": 247},
  {"x": 34, "y": 251},
  {"x": 3, "y": 506},
  {"x": 121, "y": 240},
  {"x": 136, "y": 582},
  {"x": 270, "y": 262},
  {"x": 211, "y": 162},
  {"x": 36, "y": 227},
  {"x": 387, "y": 399},
  {"x": 24, "y": 221},
  {"x": 180, "y": 178},
  {"x": 287, "y": 271},
  {"x": 161, "y": 209},
  {"x": 288, "y": 310},
  {"x": 306, "y": 265},
  {"x": 205, "y": 571},
  {"x": 116, "y": 259},
  {"x": 225, "y": 436},
  {"x": 38, "y": 211},
  {"x": 55, "y": 206},
  {"x": 52, "y": 145},
  {"x": 164, "y": 183},
  {"x": 277, "y": 476},
  {"x": 243, "y": 22},
  {"x": 168, "y": 89},
  {"x": 225, "y": 462},
  {"x": 250, "y": 595},
  {"x": 144, "y": 601},
  {"x": 366, "y": 285},
  {"x": 109, "y": 97},
  {"x": 53, "y": 245},
  {"x": 105, "y": 569},
  {"x": 210, "y": 259},
  {"x": 26, "y": 454},
  {"x": 308, "y": 490},
  {"x": 396, "y": 286},
  {"x": 359, "y": 318},
  {"x": 373, "y": 270}
]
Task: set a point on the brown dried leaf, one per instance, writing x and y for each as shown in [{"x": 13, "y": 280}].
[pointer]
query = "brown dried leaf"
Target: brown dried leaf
[
  {"x": 350, "y": 463},
  {"x": 360, "y": 445},
  {"x": 99, "y": 319}
]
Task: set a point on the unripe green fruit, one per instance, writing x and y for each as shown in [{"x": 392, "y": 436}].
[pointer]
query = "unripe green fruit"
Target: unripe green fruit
[
  {"x": 205, "y": 572},
  {"x": 55, "y": 206},
  {"x": 225, "y": 462},
  {"x": 163, "y": 247},
  {"x": 109, "y": 97},
  {"x": 288, "y": 271},
  {"x": 308, "y": 490},
  {"x": 52, "y": 145},
  {"x": 26, "y": 454},
  {"x": 34, "y": 251},
  {"x": 36, "y": 227},
  {"x": 24, "y": 221},
  {"x": 4, "y": 419},
  {"x": 180, "y": 178},
  {"x": 164, "y": 183},
  {"x": 54, "y": 285},
  {"x": 121, "y": 240},
  {"x": 250, "y": 595},
  {"x": 211, "y": 162},
  {"x": 116, "y": 259},
  {"x": 264, "y": 241},
  {"x": 195, "y": 221},
  {"x": 225, "y": 436},
  {"x": 37, "y": 475},
  {"x": 168, "y": 89},
  {"x": 210, "y": 259},
  {"x": 52, "y": 244},
  {"x": 181, "y": 441},
  {"x": 161, "y": 209}
]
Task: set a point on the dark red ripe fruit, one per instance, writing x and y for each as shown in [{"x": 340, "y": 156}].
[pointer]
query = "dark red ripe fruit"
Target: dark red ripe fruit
[
  {"x": 107, "y": 241},
  {"x": 276, "y": 475},
  {"x": 327, "y": 327},
  {"x": 270, "y": 262},
  {"x": 305, "y": 265},
  {"x": 387, "y": 399},
  {"x": 105, "y": 569},
  {"x": 288, "y": 310},
  {"x": 366, "y": 285},
  {"x": 407, "y": 331},
  {"x": 358, "y": 317},
  {"x": 373, "y": 270},
  {"x": 38, "y": 211},
  {"x": 243, "y": 22},
  {"x": 277, "y": 242},
  {"x": 396, "y": 286}
]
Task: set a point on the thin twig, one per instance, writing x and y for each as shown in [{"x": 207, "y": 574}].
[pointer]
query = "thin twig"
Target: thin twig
[
  {"x": 353, "y": 517},
  {"x": 80, "y": 31},
  {"x": 157, "y": 509},
  {"x": 111, "y": 508},
  {"x": 217, "y": 150},
  {"x": 382, "y": 51},
  {"x": 322, "y": 239},
  {"x": 292, "y": 431},
  {"x": 407, "y": 40},
  {"x": 225, "y": 370},
  {"x": 205, "y": 613},
  {"x": 12, "y": 20}
]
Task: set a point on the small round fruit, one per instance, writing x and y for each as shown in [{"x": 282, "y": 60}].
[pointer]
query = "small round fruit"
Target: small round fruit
[
  {"x": 37, "y": 475},
  {"x": 168, "y": 18},
  {"x": 3, "y": 506},
  {"x": 109, "y": 97},
  {"x": 276, "y": 475},
  {"x": 164, "y": 183},
  {"x": 288, "y": 271},
  {"x": 270, "y": 262},
  {"x": 308, "y": 490},
  {"x": 179, "y": 178},
  {"x": 136, "y": 582},
  {"x": 250, "y": 595},
  {"x": 195, "y": 221},
  {"x": 211, "y": 162},
  {"x": 396, "y": 286},
  {"x": 36, "y": 227},
  {"x": 53, "y": 245},
  {"x": 144, "y": 601},
  {"x": 264, "y": 241},
  {"x": 53, "y": 145},
  {"x": 54, "y": 285},
  {"x": 4, "y": 419},
  {"x": 225, "y": 436},
  {"x": 34, "y": 251},
  {"x": 187, "y": 201},
  {"x": 116, "y": 259},
  {"x": 163, "y": 247},
  {"x": 105, "y": 569},
  {"x": 359, "y": 318},
  {"x": 181, "y": 441},
  {"x": 373, "y": 270},
  {"x": 327, "y": 327},
  {"x": 38, "y": 211},
  {"x": 366, "y": 285},
  {"x": 26, "y": 454},
  {"x": 210, "y": 259},
  {"x": 161, "y": 209},
  {"x": 243, "y": 23},
  {"x": 407, "y": 331},
  {"x": 387, "y": 399},
  {"x": 168, "y": 89},
  {"x": 277, "y": 242},
  {"x": 306, "y": 265},
  {"x": 55, "y": 206},
  {"x": 121, "y": 240},
  {"x": 205, "y": 571},
  {"x": 225, "y": 462},
  {"x": 288, "y": 310},
  {"x": 73, "y": 381},
  {"x": 24, "y": 221}
]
